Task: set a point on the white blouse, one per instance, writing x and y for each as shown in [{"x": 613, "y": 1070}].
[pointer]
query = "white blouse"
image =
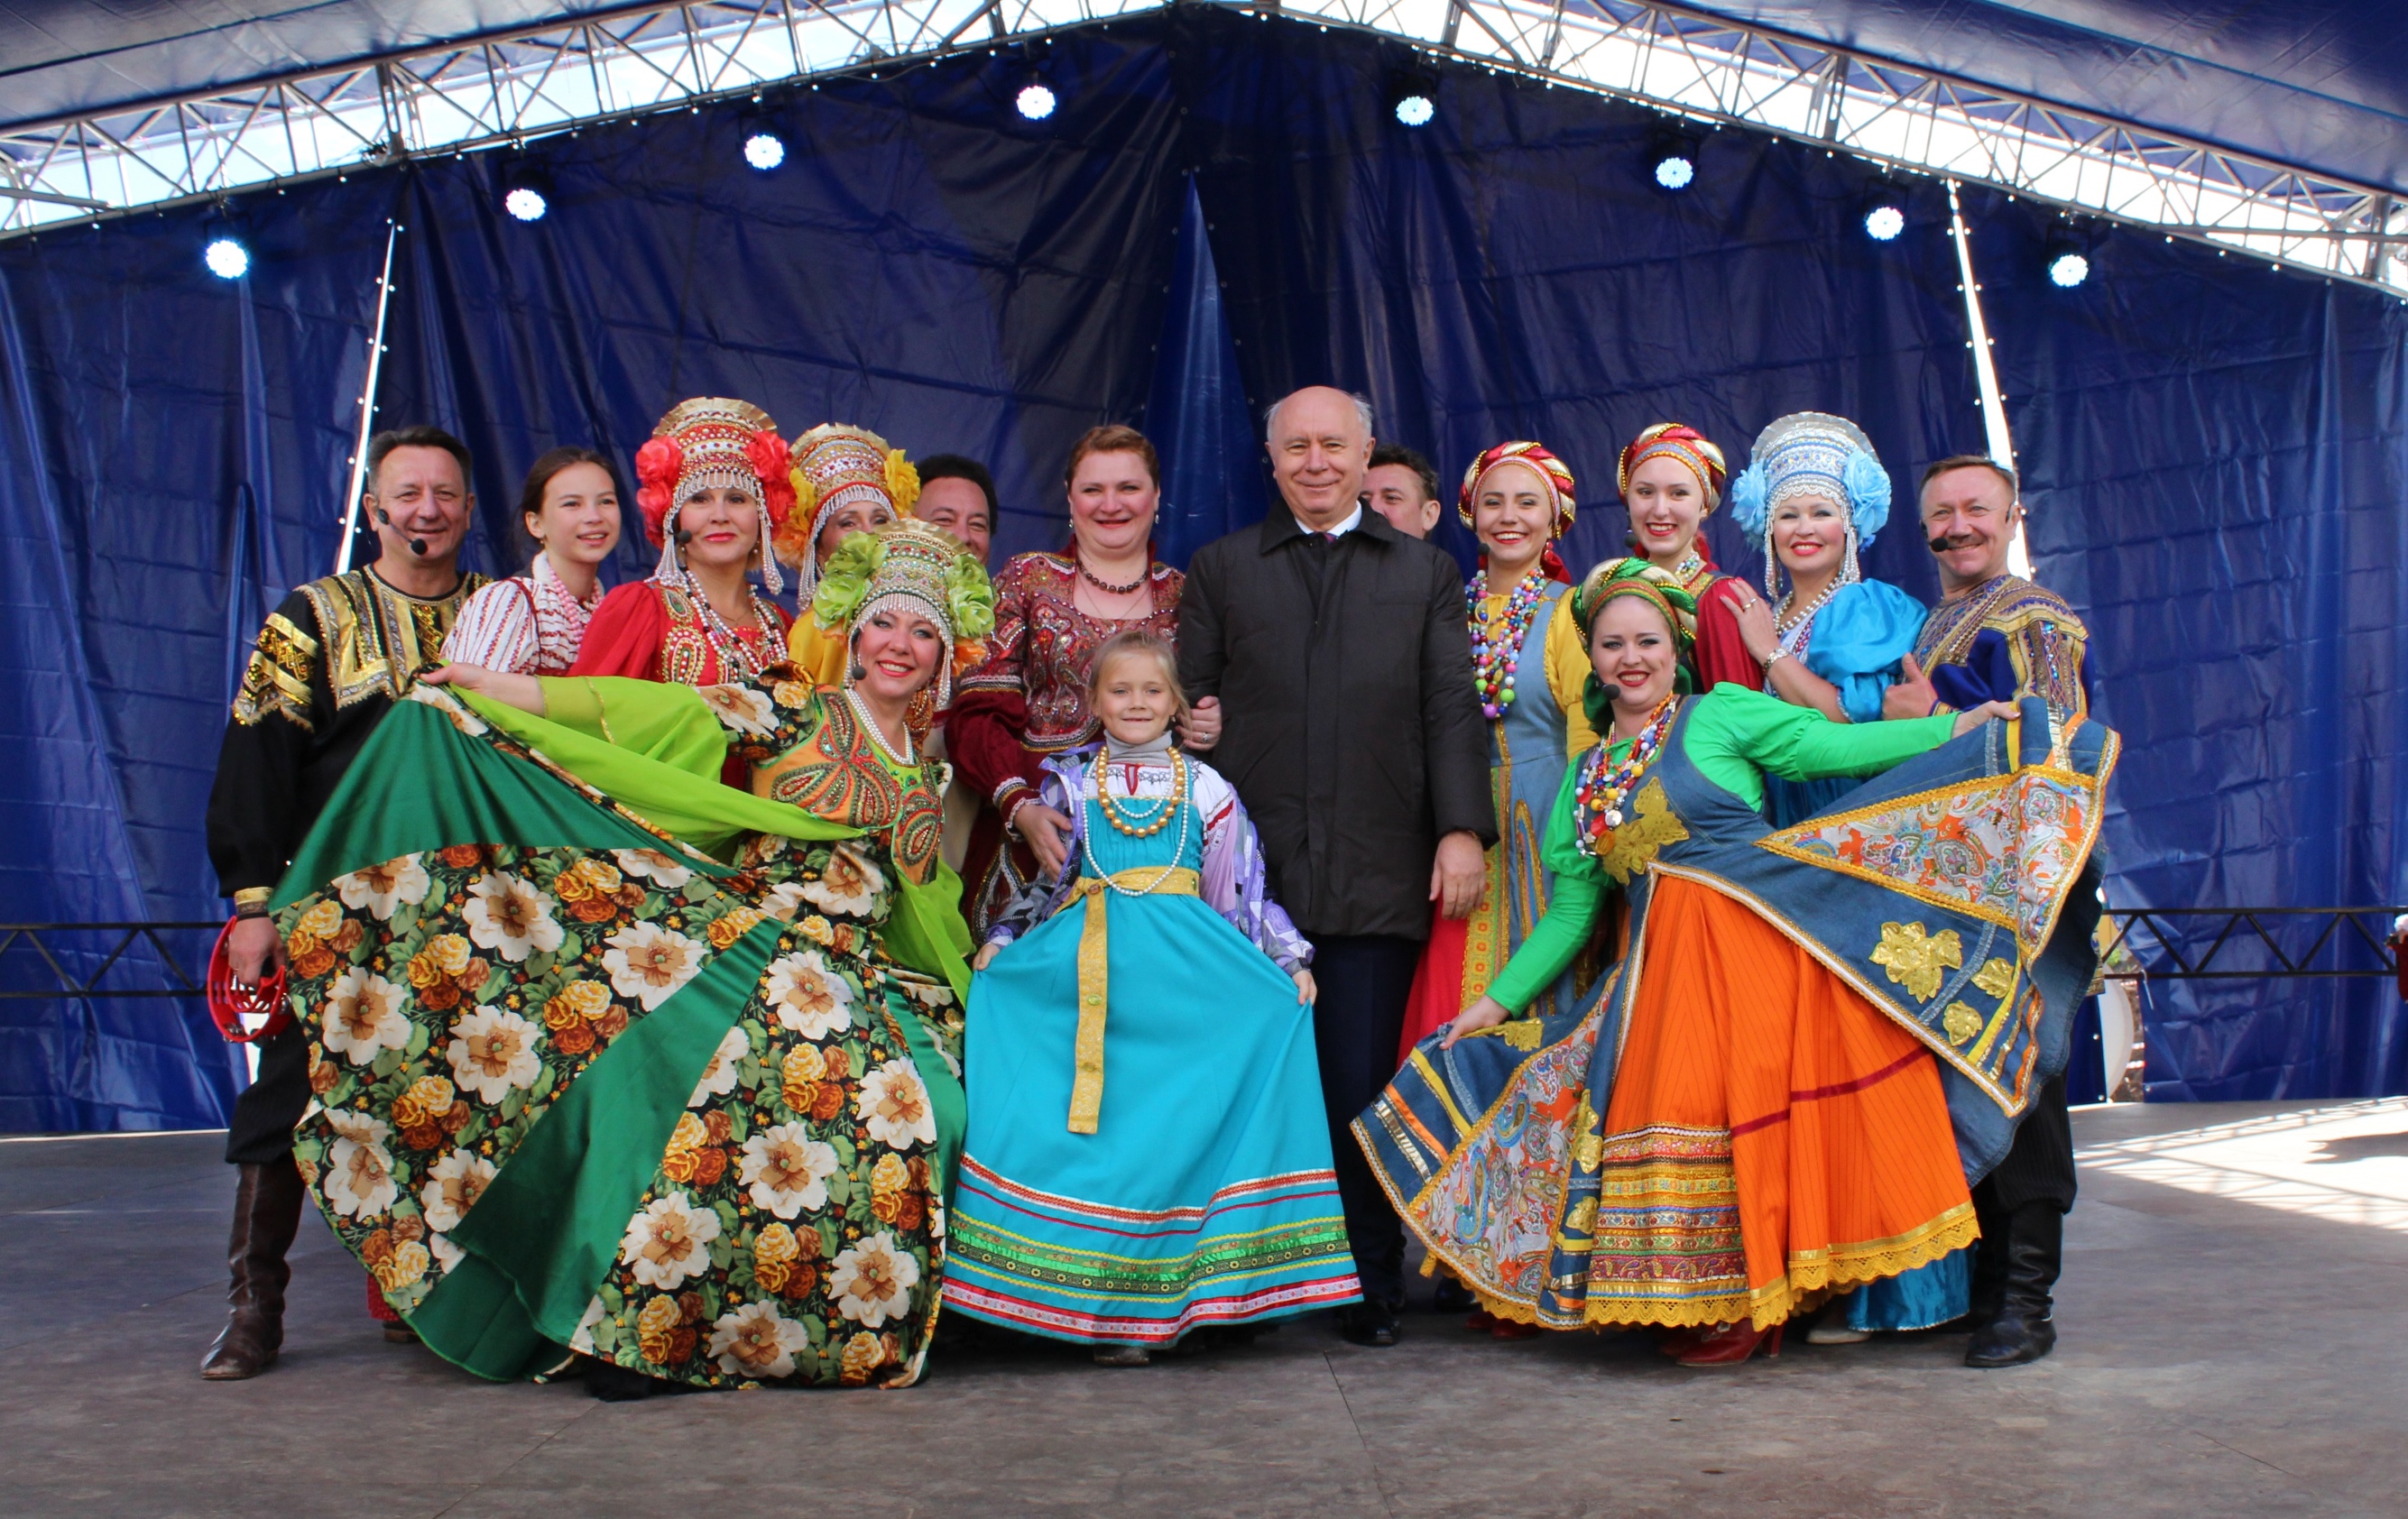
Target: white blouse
[{"x": 530, "y": 624}]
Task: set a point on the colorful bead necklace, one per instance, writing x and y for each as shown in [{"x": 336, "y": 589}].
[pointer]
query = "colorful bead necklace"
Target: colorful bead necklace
[
  {"x": 1603, "y": 788},
  {"x": 1691, "y": 569},
  {"x": 1097, "y": 793},
  {"x": 1493, "y": 660},
  {"x": 1124, "y": 817}
]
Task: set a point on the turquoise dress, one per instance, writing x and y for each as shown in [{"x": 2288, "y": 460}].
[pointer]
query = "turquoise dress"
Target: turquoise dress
[
  {"x": 1856, "y": 642},
  {"x": 1187, "y": 1180}
]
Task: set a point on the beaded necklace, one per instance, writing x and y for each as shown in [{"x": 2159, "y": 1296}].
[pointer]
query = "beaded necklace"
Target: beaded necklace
[
  {"x": 1603, "y": 787},
  {"x": 877, "y": 734},
  {"x": 1493, "y": 660},
  {"x": 1124, "y": 816},
  {"x": 1691, "y": 568},
  {"x": 1792, "y": 627},
  {"x": 737, "y": 662},
  {"x": 1094, "y": 792}
]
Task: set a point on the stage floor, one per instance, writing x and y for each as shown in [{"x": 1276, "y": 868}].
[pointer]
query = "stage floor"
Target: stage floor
[{"x": 2234, "y": 1343}]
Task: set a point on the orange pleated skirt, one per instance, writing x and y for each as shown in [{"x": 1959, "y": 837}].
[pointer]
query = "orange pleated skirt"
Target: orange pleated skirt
[{"x": 1771, "y": 1138}]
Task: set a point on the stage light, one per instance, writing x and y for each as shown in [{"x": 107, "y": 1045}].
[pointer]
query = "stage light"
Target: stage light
[
  {"x": 1034, "y": 101},
  {"x": 1413, "y": 96},
  {"x": 527, "y": 194},
  {"x": 1674, "y": 170},
  {"x": 226, "y": 257},
  {"x": 764, "y": 150},
  {"x": 2068, "y": 265}
]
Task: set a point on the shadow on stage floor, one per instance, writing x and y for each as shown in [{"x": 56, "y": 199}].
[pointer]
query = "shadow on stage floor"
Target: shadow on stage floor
[{"x": 2231, "y": 1317}]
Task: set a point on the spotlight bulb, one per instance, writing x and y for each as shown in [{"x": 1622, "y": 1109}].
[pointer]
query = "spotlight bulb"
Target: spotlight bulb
[
  {"x": 1036, "y": 102},
  {"x": 1674, "y": 171},
  {"x": 227, "y": 258},
  {"x": 526, "y": 203},
  {"x": 2067, "y": 271},
  {"x": 1416, "y": 110},
  {"x": 1883, "y": 223},
  {"x": 764, "y": 150}
]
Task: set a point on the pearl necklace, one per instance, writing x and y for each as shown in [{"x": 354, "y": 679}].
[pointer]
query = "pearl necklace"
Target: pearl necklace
[
  {"x": 878, "y": 735},
  {"x": 1093, "y": 793},
  {"x": 1785, "y": 623},
  {"x": 1495, "y": 661},
  {"x": 1124, "y": 819},
  {"x": 1599, "y": 794}
]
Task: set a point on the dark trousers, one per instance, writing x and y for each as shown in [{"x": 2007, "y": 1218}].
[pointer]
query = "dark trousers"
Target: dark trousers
[
  {"x": 2039, "y": 1167},
  {"x": 260, "y": 1133},
  {"x": 1360, "y": 1015},
  {"x": 2021, "y": 1205}
]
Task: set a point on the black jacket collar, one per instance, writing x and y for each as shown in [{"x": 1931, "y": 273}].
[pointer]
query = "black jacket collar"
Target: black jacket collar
[{"x": 1281, "y": 527}]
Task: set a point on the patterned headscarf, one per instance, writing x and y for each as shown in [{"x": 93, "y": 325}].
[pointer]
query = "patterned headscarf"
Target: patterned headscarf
[
  {"x": 1553, "y": 471},
  {"x": 1813, "y": 453},
  {"x": 835, "y": 464},
  {"x": 1638, "y": 579},
  {"x": 712, "y": 442},
  {"x": 1679, "y": 441}
]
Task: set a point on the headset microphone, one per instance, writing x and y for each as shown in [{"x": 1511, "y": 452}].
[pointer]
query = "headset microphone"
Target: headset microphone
[
  {"x": 684, "y": 536},
  {"x": 417, "y": 546}
]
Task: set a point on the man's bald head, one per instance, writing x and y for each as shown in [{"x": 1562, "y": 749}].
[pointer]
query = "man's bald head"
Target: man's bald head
[{"x": 1320, "y": 444}]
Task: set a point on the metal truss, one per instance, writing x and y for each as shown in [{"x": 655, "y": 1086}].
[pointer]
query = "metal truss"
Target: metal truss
[
  {"x": 653, "y": 57},
  {"x": 2286, "y": 944},
  {"x": 42, "y": 941}
]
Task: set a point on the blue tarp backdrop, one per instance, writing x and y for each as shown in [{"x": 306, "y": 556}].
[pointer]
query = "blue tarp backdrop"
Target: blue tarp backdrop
[{"x": 1222, "y": 209}]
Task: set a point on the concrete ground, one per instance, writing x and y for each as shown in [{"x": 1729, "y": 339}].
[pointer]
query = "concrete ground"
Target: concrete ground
[{"x": 2232, "y": 1317}]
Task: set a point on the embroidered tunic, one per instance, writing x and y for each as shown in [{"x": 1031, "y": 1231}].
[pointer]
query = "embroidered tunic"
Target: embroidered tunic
[
  {"x": 531, "y": 623},
  {"x": 2003, "y": 640},
  {"x": 655, "y": 632},
  {"x": 330, "y": 662}
]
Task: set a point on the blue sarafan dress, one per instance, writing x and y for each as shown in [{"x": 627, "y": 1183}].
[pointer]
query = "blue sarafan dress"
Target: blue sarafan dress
[
  {"x": 1856, "y": 641},
  {"x": 1148, "y": 1150}
]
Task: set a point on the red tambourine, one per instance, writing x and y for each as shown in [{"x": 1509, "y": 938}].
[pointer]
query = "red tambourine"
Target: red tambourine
[{"x": 229, "y": 999}]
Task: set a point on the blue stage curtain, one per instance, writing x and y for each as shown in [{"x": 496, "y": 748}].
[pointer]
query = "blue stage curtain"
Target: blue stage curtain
[
  {"x": 2216, "y": 454},
  {"x": 1222, "y": 210}
]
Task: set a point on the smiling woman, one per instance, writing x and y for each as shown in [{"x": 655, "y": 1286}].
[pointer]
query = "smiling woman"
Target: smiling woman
[
  {"x": 614, "y": 1061},
  {"x": 536, "y": 623}
]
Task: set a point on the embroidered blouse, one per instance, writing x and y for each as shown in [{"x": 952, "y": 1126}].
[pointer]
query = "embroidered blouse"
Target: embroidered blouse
[
  {"x": 1235, "y": 882},
  {"x": 530, "y": 623},
  {"x": 2003, "y": 640},
  {"x": 655, "y": 632}
]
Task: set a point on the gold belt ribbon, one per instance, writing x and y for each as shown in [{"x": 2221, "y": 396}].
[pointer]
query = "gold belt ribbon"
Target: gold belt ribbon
[{"x": 1095, "y": 974}]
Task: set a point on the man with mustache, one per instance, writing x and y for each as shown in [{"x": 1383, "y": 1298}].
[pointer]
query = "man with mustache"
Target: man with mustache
[
  {"x": 330, "y": 662},
  {"x": 1997, "y": 636}
]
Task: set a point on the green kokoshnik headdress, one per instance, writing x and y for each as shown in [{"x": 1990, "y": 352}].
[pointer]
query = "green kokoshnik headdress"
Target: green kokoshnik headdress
[
  {"x": 1659, "y": 588},
  {"x": 915, "y": 567}
]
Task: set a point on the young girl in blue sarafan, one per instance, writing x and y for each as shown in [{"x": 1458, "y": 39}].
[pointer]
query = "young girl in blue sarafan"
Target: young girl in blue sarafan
[{"x": 1147, "y": 1149}]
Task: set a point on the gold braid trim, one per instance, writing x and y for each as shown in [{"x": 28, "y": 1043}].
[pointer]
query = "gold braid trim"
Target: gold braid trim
[{"x": 277, "y": 679}]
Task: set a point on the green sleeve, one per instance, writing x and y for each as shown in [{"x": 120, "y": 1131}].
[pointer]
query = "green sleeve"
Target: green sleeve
[
  {"x": 1736, "y": 734},
  {"x": 670, "y": 724},
  {"x": 1579, "y": 891}
]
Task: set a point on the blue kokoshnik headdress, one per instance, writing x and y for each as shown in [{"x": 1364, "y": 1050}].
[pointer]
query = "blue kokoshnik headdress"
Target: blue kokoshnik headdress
[{"x": 1812, "y": 454}]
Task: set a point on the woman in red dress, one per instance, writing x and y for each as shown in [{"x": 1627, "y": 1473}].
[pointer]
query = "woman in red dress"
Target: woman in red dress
[
  {"x": 1028, "y": 697},
  {"x": 715, "y": 489},
  {"x": 1671, "y": 480}
]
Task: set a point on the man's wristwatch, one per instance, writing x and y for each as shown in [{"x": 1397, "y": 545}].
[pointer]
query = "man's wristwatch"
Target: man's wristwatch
[{"x": 252, "y": 902}]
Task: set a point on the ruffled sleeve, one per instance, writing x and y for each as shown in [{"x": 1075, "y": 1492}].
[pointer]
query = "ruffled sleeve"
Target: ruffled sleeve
[
  {"x": 624, "y": 638},
  {"x": 1064, "y": 778},
  {"x": 1858, "y": 640},
  {"x": 1567, "y": 673},
  {"x": 1236, "y": 883}
]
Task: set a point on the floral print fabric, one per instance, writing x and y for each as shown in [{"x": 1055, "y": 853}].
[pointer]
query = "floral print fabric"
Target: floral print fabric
[{"x": 793, "y": 1229}]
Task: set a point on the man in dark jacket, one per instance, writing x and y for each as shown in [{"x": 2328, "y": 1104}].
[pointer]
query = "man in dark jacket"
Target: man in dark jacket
[{"x": 1339, "y": 650}]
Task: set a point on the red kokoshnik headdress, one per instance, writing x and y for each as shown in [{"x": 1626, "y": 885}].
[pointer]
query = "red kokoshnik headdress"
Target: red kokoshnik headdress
[
  {"x": 1552, "y": 471},
  {"x": 1681, "y": 442},
  {"x": 714, "y": 441}
]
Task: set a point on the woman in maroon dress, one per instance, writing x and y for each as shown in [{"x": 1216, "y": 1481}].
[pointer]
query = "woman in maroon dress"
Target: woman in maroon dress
[{"x": 1028, "y": 697}]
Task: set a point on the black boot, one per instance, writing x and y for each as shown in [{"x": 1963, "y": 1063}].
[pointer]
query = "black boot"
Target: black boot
[
  {"x": 267, "y": 1216},
  {"x": 2023, "y": 1331}
]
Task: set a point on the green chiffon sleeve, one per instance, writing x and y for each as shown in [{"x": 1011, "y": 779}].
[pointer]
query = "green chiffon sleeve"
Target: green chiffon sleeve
[
  {"x": 1579, "y": 892},
  {"x": 1736, "y": 734}
]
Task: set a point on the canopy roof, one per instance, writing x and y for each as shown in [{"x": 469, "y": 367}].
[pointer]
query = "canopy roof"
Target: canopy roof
[{"x": 2319, "y": 84}]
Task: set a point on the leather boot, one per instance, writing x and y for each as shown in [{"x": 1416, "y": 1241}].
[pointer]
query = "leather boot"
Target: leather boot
[
  {"x": 267, "y": 1216},
  {"x": 2023, "y": 1331}
]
